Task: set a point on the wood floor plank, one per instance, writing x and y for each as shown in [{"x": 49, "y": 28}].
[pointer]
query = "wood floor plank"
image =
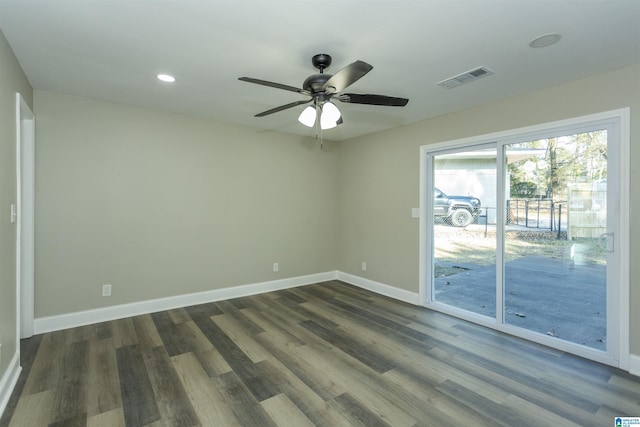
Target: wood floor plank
[
  {"x": 328, "y": 354},
  {"x": 124, "y": 332},
  {"x": 242, "y": 337},
  {"x": 79, "y": 420},
  {"x": 138, "y": 400},
  {"x": 241, "y": 364},
  {"x": 623, "y": 399},
  {"x": 245, "y": 322},
  {"x": 193, "y": 337},
  {"x": 179, "y": 315},
  {"x": 113, "y": 418},
  {"x": 173, "y": 340},
  {"x": 432, "y": 407},
  {"x": 103, "y": 390},
  {"x": 351, "y": 346},
  {"x": 359, "y": 413},
  {"x": 273, "y": 328},
  {"x": 284, "y": 412},
  {"x": 209, "y": 401},
  {"x": 395, "y": 345},
  {"x": 314, "y": 407},
  {"x": 413, "y": 361},
  {"x": 33, "y": 409},
  {"x": 146, "y": 332},
  {"x": 212, "y": 362},
  {"x": 542, "y": 417},
  {"x": 327, "y": 368},
  {"x": 626, "y": 382},
  {"x": 232, "y": 312},
  {"x": 28, "y": 350},
  {"x": 306, "y": 363},
  {"x": 172, "y": 400},
  {"x": 71, "y": 388},
  {"x": 524, "y": 390},
  {"x": 242, "y": 402},
  {"x": 501, "y": 414},
  {"x": 203, "y": 311},
  {"x": 46, "y": 365}
]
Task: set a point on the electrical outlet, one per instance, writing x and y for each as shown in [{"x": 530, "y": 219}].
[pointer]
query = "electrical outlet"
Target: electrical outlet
[
  {"x": 364, "y": 266},
  {"x": 276, "y": 267},
  {"x": 106, "y": 290}
]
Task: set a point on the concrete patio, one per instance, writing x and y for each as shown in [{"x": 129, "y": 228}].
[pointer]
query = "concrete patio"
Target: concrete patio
[{"x": 545, "y": 295}]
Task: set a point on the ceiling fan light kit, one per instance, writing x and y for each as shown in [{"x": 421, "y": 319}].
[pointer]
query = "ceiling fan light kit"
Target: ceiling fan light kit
[
  {"x": 308, "y": 116},
  {"x": 321, "y": 88},
  {"x": 330, "y": 115}
]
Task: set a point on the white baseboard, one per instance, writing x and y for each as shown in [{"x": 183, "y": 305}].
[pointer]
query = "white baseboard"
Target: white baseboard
[
  {"x": 88, "y": 317},
  {"x": 634, "y": 365},
  {"x": 81, "y": 318},
  {"x": 8, "y": 381},
  {"x": 381, "y": 288}
]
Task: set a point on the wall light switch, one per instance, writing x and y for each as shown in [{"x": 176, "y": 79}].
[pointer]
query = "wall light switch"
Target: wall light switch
[
  {"x": 14, "y": 213},
  {"x": 415, "y": 212}
]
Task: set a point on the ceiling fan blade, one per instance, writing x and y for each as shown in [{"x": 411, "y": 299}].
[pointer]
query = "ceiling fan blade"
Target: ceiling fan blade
[
  {"x": 275, "y": 85},
  {"x": 357, "y": 98},
  {"x": 347, "y": 76},
  {"x": 283, "y": 107}
]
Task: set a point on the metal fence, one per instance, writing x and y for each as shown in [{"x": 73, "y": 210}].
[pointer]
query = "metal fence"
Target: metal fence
[{"x": 541, "y": 214}]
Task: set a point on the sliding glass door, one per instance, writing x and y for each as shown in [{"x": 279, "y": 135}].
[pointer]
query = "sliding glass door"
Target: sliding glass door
[
  {"x": 464, "y": 238},
  {"x": 520, "y": 236},
  {"x": 556, "y": 237}
]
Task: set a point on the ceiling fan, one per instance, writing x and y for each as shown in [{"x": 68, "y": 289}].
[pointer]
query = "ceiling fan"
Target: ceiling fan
[{"x": 322, "y": 88}]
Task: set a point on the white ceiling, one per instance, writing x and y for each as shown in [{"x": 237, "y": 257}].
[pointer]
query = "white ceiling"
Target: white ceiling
[{"x": 112, "y": 50}]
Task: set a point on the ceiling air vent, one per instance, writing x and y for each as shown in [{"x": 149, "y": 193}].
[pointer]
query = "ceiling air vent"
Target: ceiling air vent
[{"x": 465, "y": 77}]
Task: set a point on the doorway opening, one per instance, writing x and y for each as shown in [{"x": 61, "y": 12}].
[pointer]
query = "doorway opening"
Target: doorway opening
[{"x": 25, "y": 240}]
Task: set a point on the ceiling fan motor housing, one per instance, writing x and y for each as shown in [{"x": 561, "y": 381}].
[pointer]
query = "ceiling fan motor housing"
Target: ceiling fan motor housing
[{"x": 315, "y": 82}]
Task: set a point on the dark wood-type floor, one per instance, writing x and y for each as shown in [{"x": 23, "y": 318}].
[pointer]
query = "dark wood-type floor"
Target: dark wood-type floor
[{"x": 327, "y": 354}]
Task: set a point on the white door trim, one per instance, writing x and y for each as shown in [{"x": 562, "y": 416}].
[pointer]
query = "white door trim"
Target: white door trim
[{"x": 25, "y": 178}]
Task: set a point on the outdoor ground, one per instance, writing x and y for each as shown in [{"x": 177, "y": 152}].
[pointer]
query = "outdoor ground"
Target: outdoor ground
[{"x": 554, "y": 286}]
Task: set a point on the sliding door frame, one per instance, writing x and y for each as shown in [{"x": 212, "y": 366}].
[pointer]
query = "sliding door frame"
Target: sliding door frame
[{"x": 620, "y": 119}]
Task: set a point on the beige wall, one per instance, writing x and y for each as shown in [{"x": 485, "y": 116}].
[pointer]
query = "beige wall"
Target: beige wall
[
  {"x": 379, "y": 175},
  {"x": 13, "y": 80},
  {"x": 159, "y": 204}
]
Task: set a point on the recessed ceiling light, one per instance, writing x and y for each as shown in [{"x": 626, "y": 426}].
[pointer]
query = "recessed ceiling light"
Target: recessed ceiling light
[
  {"x": 545, "y": 40},
  {"x": 166, "y": 78}
]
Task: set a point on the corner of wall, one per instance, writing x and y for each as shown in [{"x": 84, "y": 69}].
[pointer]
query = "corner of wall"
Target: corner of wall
[{"x": 9, "y": 381}]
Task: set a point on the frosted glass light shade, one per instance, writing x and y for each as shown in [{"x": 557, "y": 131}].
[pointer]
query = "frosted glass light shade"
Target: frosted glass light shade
[
  {"x": 330, "y": 116},
  {"x": 308, "y": 116}
]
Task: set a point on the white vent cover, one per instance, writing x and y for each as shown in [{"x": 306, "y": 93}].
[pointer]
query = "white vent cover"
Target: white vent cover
[{"x": 465, "y": 77}]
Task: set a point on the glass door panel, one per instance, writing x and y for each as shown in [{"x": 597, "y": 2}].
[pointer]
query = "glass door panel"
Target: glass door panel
[
  {"x": 555, "y": 238},
  {"x": 464, "y": 230}
]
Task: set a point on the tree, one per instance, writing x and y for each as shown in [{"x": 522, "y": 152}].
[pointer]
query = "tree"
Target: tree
[{"x": 573, "y": 158}]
